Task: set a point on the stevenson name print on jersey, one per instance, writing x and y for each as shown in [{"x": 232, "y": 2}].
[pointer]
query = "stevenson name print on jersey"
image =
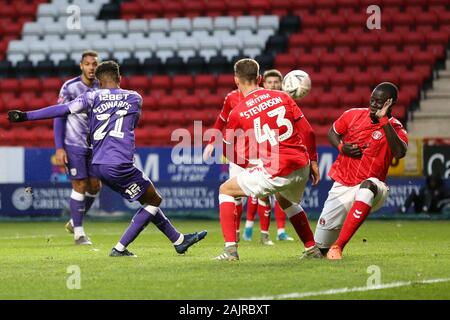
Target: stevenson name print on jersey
[
  {"x": 268, "y": 119},
  {"x": 113, "y": 115}
]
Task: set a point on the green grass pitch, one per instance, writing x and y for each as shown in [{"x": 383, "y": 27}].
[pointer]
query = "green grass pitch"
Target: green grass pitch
[{"x": 36, "y": 260}]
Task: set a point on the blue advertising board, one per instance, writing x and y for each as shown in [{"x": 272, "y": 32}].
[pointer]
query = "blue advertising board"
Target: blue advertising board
[{"x": 189, "y": 187}]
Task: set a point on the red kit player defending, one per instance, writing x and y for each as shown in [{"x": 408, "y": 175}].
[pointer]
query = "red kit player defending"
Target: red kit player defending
[{"x": 367, "y": 139}]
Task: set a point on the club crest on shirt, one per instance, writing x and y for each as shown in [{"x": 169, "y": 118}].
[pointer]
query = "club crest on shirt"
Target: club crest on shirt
[
  {"x": 73, "y": 171},
  {"x": 322, "y": 221},
  {"x": 377, "y": 135}
]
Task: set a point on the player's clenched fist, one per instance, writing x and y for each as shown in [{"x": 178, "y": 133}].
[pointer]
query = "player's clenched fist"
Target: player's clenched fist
[
  {"x": 351, "y": 150},
  {"x": 17, "y": 116}
]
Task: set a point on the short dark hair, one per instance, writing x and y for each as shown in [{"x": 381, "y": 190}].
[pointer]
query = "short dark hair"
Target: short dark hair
[
  {"x": 272, "y": 73},
  {"x": 108, "y": 69},
  {"x": 89, "y": 53},
  {"x": 390, "y": 88},
  {"x": 247, "y": 70}
]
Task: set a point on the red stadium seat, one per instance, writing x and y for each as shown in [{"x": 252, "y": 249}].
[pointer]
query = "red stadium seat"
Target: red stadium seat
[
  {"x": 139, "y": 83},
  {"x": 205, "y": 81},
  {"x": 130, "y": 10},
  {"x": 310, "y": 60},
  {"x": 215, "y": 8},
  {"x": 354, "y": 59},
  {"x": 285, "y": 60},
  {"x": 377, "y": 59},
  {"x": 9, "y": 85},
  {"x": 183, "y": 81},
  {"x": 410, "y": 77},
  {"x": 213, "y": 102},
  {"x": 191, "y": 102},
  {"x": 400, "y": 58},
  {"x": 351, "y": 100},
  {"x": 413, "y": 38},
  {"x": 151, "y": 9},
  {"x": 52, "y": 84},
  {"x": 149, "y": 102},
  {"x": 31, "y": 84},
  {"x": 226, "y": 81},
  {"x": 236, "y": 7},
  {"x": 193, "y": 8},
  {"x": 330, "y": 59},
  {"x": 171, "y": 9},
  {"x": 168, "y": 102},
  {"x": 300, "y": 40},
  {"x": 160, "y": 82},
  {"x": 259, "y": 7}
]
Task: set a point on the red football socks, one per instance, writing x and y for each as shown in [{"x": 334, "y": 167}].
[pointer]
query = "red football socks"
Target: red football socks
[
  {"x": 303, "y": 229},
  {"x": 355, "y": 217}
]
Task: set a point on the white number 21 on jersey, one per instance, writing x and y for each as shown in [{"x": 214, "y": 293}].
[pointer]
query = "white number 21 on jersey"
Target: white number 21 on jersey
[
  {"x": 99, "y": 134},
  {"x": 266, "y": 133}
]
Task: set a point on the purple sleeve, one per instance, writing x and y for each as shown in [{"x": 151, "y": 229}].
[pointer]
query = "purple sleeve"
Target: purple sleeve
[
  {"x": 59, "y": 130},
  {"x": 55, "y": 111}
]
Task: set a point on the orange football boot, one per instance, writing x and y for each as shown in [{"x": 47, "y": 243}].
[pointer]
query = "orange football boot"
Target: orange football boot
[{"x": 335, "y": 253}]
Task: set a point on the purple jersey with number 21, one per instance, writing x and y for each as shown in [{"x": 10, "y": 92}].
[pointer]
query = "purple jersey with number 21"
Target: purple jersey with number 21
[{"x": 113, "y": 114}]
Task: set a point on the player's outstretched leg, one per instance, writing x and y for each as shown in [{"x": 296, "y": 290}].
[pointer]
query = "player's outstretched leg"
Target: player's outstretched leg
[
  {"x": 280, "y": 218},
  {"x": 181, "y": 242},
  {"x": 355, "y": 217},
  {"x": 252, "y": 207},
  {"x": 140, "y": 220}
]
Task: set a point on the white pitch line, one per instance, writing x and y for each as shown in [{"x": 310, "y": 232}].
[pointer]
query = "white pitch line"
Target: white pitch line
[{"x": 299, "y": 295}]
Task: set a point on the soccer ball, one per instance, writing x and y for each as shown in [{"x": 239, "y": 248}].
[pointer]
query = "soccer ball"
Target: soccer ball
[{"x": 297, "y": 84}]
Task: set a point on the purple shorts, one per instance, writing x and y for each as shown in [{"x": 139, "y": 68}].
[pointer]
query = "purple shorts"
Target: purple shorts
[
  {"x": 79, "y": 162},
  {"x": 125, "y": 179}
]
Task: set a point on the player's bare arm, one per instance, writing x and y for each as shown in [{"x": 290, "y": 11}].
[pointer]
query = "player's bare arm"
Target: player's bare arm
[
  {"x": 397, "y": 146},
  {"x": 61, "y": 157},
  {"x": 349, "y": 149}
]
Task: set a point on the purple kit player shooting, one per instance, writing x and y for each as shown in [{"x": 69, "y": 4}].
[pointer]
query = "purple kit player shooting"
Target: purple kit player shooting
[
  {"x": 74, "y": 149},
  {"x": 113, "y": 115}
]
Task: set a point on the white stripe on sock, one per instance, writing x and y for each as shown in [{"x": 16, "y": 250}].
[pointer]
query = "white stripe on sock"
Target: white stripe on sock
[
  {"x": 77, "y": 196},
  {"x": 293, "y": 210},
  {"x": 151, "y": 209},
  {"x": 180, "y": 240},
  {"x": 225, "y": 198},
  {"x": 120, "y": 247},
  {"x": 365, "y": 195}
]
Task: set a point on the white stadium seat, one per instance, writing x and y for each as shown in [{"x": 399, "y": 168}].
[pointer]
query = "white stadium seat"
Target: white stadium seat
[
  {"x": 178, "y": 34},
  {"x": 181, "y": 24},
  {"x": 246, "y": 23},
  {"x": 221, "y": 34},
  {"x": 224, "y": 23},
  {"x": 202, "y": 23},
  {"x": 32, "y": 28},
  {"x": 98, "y": 26},
  {"x": 268, "y": 22},
  {"x": 252, "y": 52},
  {"x": 47, "y": 10},
  {"x": 117, "y": 26},
  {"x": 159, "y": 25},
  {"x": 92, "y": 37},
  {"x": 138, "y": 25},
  {"x": 136, "y": 36},
  {"x": 199, "y": 34}
]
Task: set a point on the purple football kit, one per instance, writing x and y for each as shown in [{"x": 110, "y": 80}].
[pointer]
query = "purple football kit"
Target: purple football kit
[
  {"x": 113, "y": 115},
  {"x": 71, "y": 132}
]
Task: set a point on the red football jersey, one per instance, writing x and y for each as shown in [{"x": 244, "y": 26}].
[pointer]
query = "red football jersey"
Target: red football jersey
[
  {"x": 231, "y": 100},
  {"x": 269, "y": 118},
  {"x": 355, "y": 126}
]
